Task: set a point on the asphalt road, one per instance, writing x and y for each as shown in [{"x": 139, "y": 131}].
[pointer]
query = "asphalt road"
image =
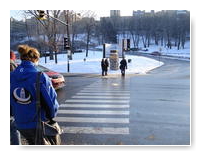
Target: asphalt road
[
  {"x": 152, "y": 109},
  {"x": 161, "y": 105}
]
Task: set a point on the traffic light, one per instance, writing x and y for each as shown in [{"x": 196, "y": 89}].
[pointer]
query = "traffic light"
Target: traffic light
[
  {"x": 41, "y": 14},
  {"x": 66, "y": 44}
]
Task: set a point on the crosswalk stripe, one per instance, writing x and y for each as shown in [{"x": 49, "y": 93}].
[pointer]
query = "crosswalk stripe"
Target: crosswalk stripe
[
  {"x": 102, "y": 97},
  {"x": 94, "y": 112},
  {"x": 92, "y": 120},
  {"x": 94, "y": 106},
  {"x": 108, "y": 87},
  {"x": 96, "y": 130},
  {"x": 104, "y": 85},
  {"x": 101, "y": 93},
  {"x": 99, "y": 88},
  {"x": 97, "y": 101},
  {"x": 106, "y": 91}
]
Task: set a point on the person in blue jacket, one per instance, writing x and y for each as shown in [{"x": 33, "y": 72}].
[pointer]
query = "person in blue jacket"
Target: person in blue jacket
[{"x": 23, "y": 94}]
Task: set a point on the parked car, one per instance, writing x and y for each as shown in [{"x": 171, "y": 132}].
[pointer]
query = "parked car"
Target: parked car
[
  {"x": 57, "y": 79},
  {"x": 156, "y": 53},
  {"x": 78, "y": 51}
]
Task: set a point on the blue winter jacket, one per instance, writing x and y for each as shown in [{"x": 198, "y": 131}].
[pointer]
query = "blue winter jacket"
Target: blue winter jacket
[{"x": 23, "y": 96}]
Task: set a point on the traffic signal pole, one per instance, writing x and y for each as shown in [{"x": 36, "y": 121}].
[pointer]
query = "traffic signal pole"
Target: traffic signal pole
[
  {"x": 68, "y": 36},
  {"x": 42, "y": 14}
]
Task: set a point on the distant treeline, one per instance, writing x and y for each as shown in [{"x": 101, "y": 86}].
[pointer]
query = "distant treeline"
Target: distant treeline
[{"x": 166, "y": 28}]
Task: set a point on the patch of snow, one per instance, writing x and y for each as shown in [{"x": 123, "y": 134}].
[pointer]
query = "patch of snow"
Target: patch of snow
[{"x": 138, "y": 64}]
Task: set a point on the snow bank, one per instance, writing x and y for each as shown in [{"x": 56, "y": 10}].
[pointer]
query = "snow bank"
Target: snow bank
[{"x": 138, "y": 65}]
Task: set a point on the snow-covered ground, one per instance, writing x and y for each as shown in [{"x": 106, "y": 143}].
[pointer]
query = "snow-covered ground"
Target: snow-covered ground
[
  {"x": 181, "y": 53},
  {"x": 138, "y": 65},
  {"x": 173, "y": 52}
]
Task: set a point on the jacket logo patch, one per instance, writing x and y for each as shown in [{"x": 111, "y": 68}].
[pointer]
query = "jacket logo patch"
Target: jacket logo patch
[
  {"x": 21, "y": 70},
  {"x": 22, "y": 96}
]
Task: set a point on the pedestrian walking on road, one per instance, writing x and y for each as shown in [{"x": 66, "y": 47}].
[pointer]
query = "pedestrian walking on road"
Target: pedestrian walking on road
[
  {"x": 103, "y": 66},
  {"x": 123, "y": 66},
  {"x": 106, "y": 66},
  {"x": 23, "y": 94}
]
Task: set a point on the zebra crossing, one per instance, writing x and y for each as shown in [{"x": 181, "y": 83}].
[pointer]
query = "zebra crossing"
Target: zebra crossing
[{"x": 99, "y": 108}]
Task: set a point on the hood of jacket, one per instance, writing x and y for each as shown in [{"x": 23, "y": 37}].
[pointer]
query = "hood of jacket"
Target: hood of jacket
[{"x": 24, "y": 71}]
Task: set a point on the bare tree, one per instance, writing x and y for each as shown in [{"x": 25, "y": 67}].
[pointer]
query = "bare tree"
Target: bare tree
[
  {"x": 89, "y": 25},
  {"x": 108, "y": 30},
  {"x": 134, "y": 27},
  {"x": 27, "y": 28},
  {"x": 50, "y": 29}
]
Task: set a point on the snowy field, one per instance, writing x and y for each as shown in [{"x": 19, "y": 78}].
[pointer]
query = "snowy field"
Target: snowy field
[
  {"x": 138, "y": 65},
  {"x": 173, "y": 52},
  {"x": 181, "y": 53}
]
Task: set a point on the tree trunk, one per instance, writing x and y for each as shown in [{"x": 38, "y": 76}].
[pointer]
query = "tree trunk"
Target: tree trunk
[
  {"x": 27, "y": 29},
  {"x": 183, "y": 41},
  {"x": 156, "y": 39},
  {"x": 87, "y": 44},
  {"x": 56, "y": 60},
  {"x": 179, "y": 42},
  {"x": 144, "y": 41}
]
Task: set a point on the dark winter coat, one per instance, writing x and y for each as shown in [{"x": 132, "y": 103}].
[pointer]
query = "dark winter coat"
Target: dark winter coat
[
  {"x": 123, "y": 64},
  {"x": 104, "y": 65}
]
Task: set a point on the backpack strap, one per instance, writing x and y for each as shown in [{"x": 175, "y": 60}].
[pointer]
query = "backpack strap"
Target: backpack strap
[
  {"x": 38, "y": 135},
  {"x": 38, "y": 105}
]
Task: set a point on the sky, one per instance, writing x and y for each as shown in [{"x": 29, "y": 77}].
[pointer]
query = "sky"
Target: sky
[{"x": 102, "y": 13}]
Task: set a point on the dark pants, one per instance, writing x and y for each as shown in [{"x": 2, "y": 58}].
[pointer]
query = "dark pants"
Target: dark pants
[
  {"x": 14, "y": 134},
  {"x": 29, "y": 135},
  {"x": 123, "y": 72},
  {"x": 104, "y": 72}
]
